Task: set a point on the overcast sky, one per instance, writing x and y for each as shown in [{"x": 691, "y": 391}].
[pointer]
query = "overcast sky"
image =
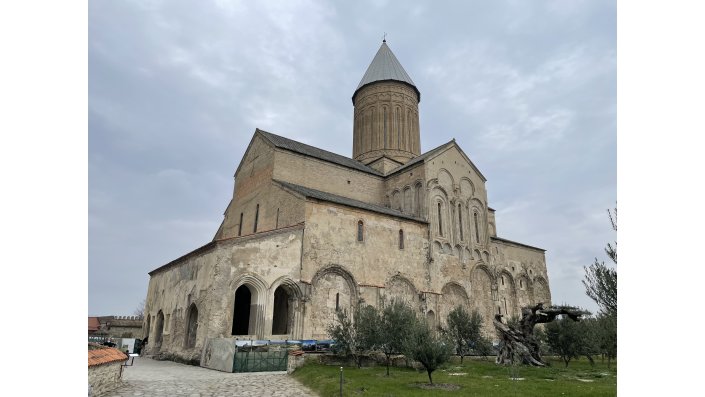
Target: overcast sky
[{"x": 177, "y": 88}]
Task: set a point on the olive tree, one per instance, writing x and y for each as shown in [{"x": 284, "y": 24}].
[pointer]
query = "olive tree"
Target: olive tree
[
  {"x": 429, "y": 348},
  {"x": 569, "y": 339},
  {"x": 395, "y": 329},
  {"x": 601, "y": 280},
  {"x": 464, "y": 330},
  {"x": 601, "y": 286},
  {"x": 354, "y": 335},
  {"x": 520, "y": 342}
]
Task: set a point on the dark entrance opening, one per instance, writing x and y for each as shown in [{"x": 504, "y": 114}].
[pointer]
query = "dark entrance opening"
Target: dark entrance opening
[
  {"x": 160, "y": 329},
  {"x": 192, "y": 327},
  {"x": 241, "y": 316},
  {"x": 280, "y": 320}
]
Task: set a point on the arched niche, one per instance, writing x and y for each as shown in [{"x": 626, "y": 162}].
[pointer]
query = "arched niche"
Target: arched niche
[
  {"x": 418, "y": 199},
  {"x": 445, "y": 179},
  {"x": 523, "y": 292},
  {"x": 507, "y": 294},
  {"x": 481, "y": 295},
  {"x": 453, "y": 295},
  {"x": 541, "y": 291},
  {"x": 332, "y": 288},
  {"x": 396, "y": 200},
  {"x": 467, "y": 189},
  {"x": 401, "y": 288},
  {"x": 408, "y": 196}
]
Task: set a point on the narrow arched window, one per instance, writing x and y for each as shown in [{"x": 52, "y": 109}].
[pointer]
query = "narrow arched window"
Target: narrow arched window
[
  {"x": 256, "y": 218},
  {"x": 337, "y": 301},
  {"x": 360, "y": 231},
  {"x": 477, "y": 229},
  {"x": 460, "y": 221},
  {"x": 239, "y": 228},
  {"x": 401, "y": 239},
  {"x": 440, "y": 220}
]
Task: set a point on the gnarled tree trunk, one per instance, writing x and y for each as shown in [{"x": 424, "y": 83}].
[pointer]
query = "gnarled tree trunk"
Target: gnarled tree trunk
[{"x": 518, "y": 344}]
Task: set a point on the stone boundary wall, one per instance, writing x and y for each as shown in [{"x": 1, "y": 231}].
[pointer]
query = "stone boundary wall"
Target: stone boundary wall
[
  {"x": 134, "y": 318},
  {"x": 104, "y": 378},
  {"x": 294, "y": 362}
]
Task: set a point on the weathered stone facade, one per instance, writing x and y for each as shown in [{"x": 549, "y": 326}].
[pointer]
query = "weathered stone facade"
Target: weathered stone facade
[{"x": 309, "y": 232}]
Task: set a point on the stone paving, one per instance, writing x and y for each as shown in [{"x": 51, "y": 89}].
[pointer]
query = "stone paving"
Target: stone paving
[{"x": 148, "y": 377}]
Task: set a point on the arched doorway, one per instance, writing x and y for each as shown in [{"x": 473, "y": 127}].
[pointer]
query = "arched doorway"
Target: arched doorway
[
  {"x": 158, "y": 332},
  {"x": 281, "y": 317},
  {"x": 241, "y": 315},
  {"x": 192, "y": 326}
]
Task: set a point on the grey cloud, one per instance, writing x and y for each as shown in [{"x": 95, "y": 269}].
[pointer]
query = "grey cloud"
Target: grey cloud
[{"x": 176, "y": 89}]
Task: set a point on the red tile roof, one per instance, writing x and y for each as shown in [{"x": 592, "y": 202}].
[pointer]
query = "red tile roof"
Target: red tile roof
[
  {"x": 93, "y": 324},
  {"x": 104, "y": 356}
]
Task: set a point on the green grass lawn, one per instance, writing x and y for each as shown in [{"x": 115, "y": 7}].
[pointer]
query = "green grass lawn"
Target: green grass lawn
[{"x": 474, "y": 378}]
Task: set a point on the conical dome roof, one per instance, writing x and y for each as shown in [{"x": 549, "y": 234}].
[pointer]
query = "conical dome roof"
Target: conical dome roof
[{"x": 385, "y": 67}]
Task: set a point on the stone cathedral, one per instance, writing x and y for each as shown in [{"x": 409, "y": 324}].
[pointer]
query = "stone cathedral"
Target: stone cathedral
[{"x": 308, "y": 232}]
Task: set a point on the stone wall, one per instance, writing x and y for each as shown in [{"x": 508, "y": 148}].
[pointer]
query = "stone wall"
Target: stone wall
[
  {"x": 295, "y": 362},
  {"x": 525, "y": 268},
  {"x": 209, "y": 280},
  {"x": 406, "y": 191},
  {"x": 328, "y": 177},
  {"x": 256, "y": 199},
  {"x": 104, "y": 378},
  {"x": 342, "y": 270}
]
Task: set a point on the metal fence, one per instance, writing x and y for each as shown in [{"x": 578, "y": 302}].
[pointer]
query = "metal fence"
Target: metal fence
[{"x": 271, "y": 355}]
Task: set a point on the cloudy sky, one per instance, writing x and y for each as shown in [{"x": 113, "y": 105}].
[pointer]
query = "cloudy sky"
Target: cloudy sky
[{"x": 177, "y": 88}]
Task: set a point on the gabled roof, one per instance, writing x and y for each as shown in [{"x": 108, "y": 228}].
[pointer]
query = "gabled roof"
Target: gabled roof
[
  {"x": 423, "y": 157},
  {"x": 385, "y": 67},
  {"x": 307, "y": 150},
  {"x": 348, "y": 202},
  {"x": 432, "y": 153},
  {"x": 93, "y": 324},
  {"x": 104, "y": 356}
]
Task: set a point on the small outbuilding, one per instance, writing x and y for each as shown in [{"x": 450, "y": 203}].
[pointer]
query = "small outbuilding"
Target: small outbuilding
[{"x": 104, "y": 368}]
